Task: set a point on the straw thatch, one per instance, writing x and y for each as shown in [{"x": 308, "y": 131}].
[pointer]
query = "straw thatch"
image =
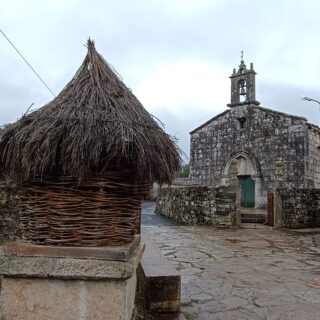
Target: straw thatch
[{"x": 93, "y": 125}]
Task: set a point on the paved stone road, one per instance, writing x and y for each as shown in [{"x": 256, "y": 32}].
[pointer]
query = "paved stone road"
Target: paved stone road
[{"x": 241, "y": 274}]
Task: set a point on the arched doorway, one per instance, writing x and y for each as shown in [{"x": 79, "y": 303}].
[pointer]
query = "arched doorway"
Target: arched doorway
[{"x": 244, "y": 169}]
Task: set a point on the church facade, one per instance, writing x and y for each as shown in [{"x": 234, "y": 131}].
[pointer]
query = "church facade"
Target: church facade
[{"x": 263, "y": 148}]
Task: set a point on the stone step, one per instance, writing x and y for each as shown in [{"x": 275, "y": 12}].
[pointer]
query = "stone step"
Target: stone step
[
  {"x": 255, "y": 226},
  {"x": 247, "y": 218},
  {"x": 253, "y": 215},
  {"x": 252, "y": 220}
]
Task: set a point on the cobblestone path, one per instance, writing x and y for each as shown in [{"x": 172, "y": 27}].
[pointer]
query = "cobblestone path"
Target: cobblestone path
[{"x": 241, "y": 274}]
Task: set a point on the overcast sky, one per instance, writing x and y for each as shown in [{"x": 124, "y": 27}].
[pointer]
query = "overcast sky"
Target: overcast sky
[{"x": 175, "y": 55}]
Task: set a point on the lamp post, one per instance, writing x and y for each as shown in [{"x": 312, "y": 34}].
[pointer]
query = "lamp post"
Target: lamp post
[{"x": 305, "y": 98}]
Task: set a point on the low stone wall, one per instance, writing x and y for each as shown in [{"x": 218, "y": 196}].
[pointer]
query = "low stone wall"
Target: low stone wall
[
  {"x": 176, "y": 183},
  {"x": 297, "y": 208},
  {"x": 197, "y": 205},
  {"x": 8, "y": 213}
]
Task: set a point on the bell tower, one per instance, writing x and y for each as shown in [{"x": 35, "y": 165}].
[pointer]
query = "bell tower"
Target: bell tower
[{"x": 243, "y": 86}]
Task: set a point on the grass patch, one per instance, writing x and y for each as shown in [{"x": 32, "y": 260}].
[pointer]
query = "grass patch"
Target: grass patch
[
  {"x": 208, "y": 254},
  {"x": 189, "y": 303}
]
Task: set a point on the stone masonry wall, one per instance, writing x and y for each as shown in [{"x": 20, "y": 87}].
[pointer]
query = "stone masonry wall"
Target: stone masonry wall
[
  {"x": 267, "y": 135},
  {"x": 8, "y": 213},
  {"x": 297, "y": 208},
  {"x": 198, "y": 205},
  {"x": 313, "y": 161}
]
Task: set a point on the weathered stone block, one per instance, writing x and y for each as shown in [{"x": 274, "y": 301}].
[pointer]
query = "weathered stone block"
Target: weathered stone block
[
  {"x": 159, "y": 284},
  {"x": 48, "y": 286}
]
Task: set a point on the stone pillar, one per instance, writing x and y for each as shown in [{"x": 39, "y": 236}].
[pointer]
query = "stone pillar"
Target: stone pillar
[
  {"x": 233, "y": 175},
  {"x": 277, "y": 209},
  {"x": 77, "y": 283},
  {"x": 235, "y": 187},
  {"x": 277, "y": 204},
  {"x": 279, "y": 174}
]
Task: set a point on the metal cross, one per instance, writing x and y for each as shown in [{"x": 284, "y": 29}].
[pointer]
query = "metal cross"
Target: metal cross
[{"x": 241, "y": 55}]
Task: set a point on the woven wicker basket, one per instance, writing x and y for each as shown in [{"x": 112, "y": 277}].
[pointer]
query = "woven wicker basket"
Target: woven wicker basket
[{"x": 102, "y": 211}]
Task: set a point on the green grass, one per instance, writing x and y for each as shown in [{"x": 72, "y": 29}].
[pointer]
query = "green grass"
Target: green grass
[
  {"x": 208, "y": 254},
  {"x": 189, "y": 303}
]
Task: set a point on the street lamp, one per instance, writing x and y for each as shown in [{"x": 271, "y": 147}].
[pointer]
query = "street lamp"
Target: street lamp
[
  {"x": 310, "y": 99},
  {"x": 305, "y": 98}
]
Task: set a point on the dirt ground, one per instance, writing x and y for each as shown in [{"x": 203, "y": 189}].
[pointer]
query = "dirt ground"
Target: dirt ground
[{"x": 249, "y": 273}]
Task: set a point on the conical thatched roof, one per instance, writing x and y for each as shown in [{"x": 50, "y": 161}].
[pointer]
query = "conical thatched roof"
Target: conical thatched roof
[{"x": 95, "y": 123}]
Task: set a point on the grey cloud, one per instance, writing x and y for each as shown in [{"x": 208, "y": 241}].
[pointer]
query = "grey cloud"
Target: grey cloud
[
  {"x": 149, "y": 33},
  {"x": 16, "y": 99},
  {"x": 287, "y": 98}
]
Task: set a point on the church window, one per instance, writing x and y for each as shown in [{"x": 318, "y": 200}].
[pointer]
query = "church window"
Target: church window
[{"x": 242, "y": 122}]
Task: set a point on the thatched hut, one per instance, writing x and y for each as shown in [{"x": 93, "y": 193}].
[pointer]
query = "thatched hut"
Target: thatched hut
[{"x": 84, "y": 161}]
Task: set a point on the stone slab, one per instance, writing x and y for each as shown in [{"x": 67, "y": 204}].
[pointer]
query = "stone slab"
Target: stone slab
[
  {"x": 20, "y": 265},
  {"x": 159, "y": 282},
  {"x": 254, "y": 226},
  {"x": 114, "y": 253}
]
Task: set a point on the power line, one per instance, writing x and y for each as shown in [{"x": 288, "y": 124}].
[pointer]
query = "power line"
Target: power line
[{"x": 29, "y": 65}]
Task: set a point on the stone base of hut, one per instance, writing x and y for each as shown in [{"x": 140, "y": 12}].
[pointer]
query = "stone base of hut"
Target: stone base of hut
[{"x": 75, "y": 283}]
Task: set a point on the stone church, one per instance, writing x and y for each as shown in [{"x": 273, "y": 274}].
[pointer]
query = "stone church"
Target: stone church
[{"x": 264, "y": 149}]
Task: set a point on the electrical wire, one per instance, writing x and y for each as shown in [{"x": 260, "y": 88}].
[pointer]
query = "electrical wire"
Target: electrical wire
[{"x": 29, "y": 65}]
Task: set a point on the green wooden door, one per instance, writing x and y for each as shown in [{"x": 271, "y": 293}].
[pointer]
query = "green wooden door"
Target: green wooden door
[{"x": 247, "y": 187}]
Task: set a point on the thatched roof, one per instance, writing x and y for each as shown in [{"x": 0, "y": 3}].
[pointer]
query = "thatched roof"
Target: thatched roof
[{"x": 95, "y": 123}]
